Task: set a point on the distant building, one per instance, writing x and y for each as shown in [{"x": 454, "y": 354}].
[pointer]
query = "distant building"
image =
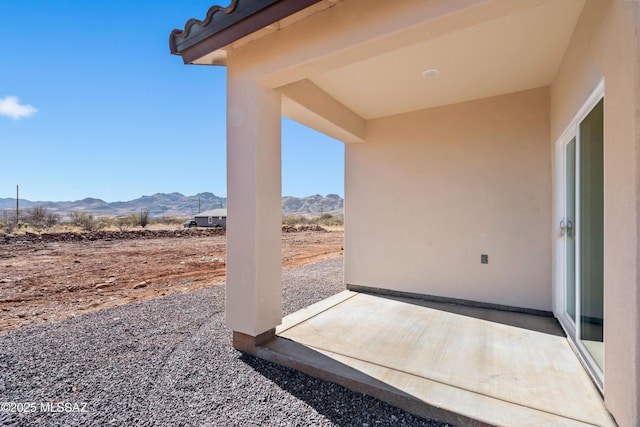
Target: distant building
[{"x": 212, "y": 218}]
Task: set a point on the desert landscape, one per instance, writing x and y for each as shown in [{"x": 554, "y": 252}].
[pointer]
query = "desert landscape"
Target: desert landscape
[{"x": 52, "y": 276}]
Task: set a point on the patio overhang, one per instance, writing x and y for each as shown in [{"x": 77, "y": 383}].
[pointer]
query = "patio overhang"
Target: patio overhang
[
  {"x": 480, "y": 48},
  {"x": 414, "y": 55}
]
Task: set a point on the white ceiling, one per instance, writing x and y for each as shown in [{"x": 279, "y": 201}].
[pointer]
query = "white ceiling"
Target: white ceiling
[{"x": 513, "y": 53}]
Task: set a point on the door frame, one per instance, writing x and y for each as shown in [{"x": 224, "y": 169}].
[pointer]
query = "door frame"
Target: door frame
[{"x": 570, "y": 326}]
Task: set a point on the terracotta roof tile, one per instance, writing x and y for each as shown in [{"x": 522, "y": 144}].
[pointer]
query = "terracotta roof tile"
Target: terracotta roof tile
[
  {"x": 224, "y": 25},
  {"x": 177, "y": 35}
]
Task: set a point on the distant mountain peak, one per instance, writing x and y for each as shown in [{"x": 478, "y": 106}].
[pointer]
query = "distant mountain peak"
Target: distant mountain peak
[{"x": 178, "y": 205}]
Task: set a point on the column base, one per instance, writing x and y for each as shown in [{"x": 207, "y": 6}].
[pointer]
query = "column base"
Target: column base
[{"x": 248, "y": 343}]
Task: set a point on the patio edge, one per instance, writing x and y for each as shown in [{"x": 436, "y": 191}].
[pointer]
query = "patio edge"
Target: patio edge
[{"x": 285, "y": 352}]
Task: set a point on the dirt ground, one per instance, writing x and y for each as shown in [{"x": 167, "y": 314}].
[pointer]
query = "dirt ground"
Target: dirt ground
[{"x": 44, "y": 281}]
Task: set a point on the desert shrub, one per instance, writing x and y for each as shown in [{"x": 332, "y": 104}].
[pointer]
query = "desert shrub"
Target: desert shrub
[
  {"x": 328, "y": 220},
  {"x": 106, "y": 221},
  {"x": 37, "y": 217},
  {"x": 125, "y": 222},
  {"x": 51, "y": 219},
  {"x": 76, "y": 218},
  {"x": 8, "y": 221},
  {"x": 7, "y": 225},
  {"x": 292, "y": 220},
  {"x": 175, "y": 221},
  {"x": 87, "y": 222},
  {"x": 168, "y": 220},
  {"x": 143, "y": 218}
]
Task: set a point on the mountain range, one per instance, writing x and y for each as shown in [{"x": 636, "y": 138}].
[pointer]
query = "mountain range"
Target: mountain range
[{"x": 177, "y": 205}]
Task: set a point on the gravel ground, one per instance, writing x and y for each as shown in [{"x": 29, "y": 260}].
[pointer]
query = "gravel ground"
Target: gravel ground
[{"x": 169, "y": 361}]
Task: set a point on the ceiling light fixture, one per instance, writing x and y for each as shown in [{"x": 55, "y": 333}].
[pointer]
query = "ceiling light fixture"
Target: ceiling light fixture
[{"x": 431, "y": 72}]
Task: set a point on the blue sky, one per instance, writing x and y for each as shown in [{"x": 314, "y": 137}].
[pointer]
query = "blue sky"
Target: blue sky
[{"x": 92, "y": 104}]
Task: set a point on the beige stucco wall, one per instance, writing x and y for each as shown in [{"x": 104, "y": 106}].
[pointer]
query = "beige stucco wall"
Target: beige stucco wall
[
  {"x": 605, "y": 44},
  {"x": 428, "y": 192}
]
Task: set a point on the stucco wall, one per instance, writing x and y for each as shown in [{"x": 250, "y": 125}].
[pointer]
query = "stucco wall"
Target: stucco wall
[
  {"x": 428, "y": 192},
  {"x": 605, "y": 44}
]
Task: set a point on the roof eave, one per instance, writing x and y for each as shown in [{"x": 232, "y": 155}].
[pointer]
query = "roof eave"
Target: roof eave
[{"x": 223, "y": 26}]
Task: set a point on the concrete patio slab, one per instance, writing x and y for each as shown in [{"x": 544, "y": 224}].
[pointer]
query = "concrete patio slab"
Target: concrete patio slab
[{"x": 463, "y": 365}]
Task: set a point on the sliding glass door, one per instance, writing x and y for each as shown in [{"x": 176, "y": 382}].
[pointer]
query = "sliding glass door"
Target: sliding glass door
[{"x": 582, "y": 230}]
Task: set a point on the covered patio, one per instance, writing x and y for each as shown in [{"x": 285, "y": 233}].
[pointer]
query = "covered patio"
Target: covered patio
[
  {"x": 469, "y": 366},
  {"x": 491, "y": 160}
]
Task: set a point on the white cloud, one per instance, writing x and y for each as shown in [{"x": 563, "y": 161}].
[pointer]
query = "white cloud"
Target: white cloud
[{"x": 10, "y": 107}]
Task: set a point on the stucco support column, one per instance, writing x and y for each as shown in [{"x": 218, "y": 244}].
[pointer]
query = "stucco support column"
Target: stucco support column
[{"x": 254, "y": 205}]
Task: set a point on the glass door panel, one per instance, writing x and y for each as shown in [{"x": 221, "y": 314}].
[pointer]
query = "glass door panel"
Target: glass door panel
[{"x": 591, "y": 233}]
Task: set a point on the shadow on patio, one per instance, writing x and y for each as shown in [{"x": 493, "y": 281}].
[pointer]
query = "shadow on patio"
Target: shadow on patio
[{"x": 459, "y": 364}]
